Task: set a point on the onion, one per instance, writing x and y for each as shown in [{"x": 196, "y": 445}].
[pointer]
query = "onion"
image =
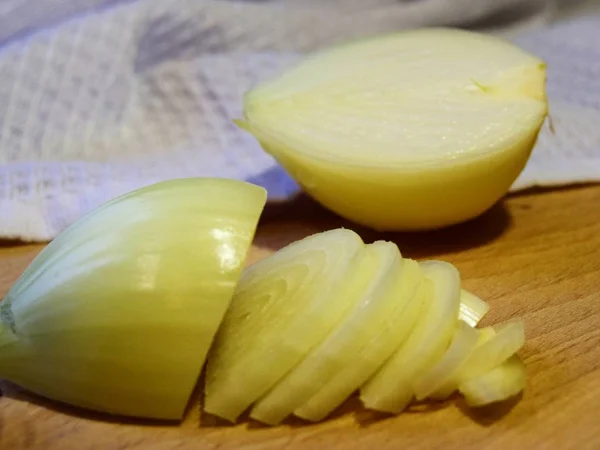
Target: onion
[
  {"x": 414, "y": 130},
  {"x": 391, "y": 388},
  {"x": 283, "y": 307},
  {"x": 390, "y": 286},
  {"x": 441, "y": 381},
  {"x": 493, "y": 347},
  {"x": 450, "y": 384},
  {"x": 464, "y": 341},
  {"x": 472, "y": 308},
  {"x": 499, "y": 384},
  {"x": 507, "y": 340},
  {"x": 118, "y": 312},
  {"x": 403, "y": 307}
]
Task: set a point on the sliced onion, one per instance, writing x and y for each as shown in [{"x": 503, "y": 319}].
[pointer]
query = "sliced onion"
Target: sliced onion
[
  {"x": 382, "y": 266},
  {"x": 450, "y": 384},
  {"x": 496, "y": 385},
  {"x": 472, "y": 308},
  {"x": 283, "y": 307},
  {"x": 391, "y": 389},
  {"x": 393, "y": 324},
  {"x": 464, "y": 341},
  {"x": 509, "y": 338}
]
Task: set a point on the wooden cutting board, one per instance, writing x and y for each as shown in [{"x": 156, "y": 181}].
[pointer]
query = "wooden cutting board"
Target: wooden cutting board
[{"x": 537, "y": 256}]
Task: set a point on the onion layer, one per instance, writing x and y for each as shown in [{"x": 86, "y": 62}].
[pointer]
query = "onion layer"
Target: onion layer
[
  {"x": 472, "y": 308},
  {"x": 499, "y": 384}
]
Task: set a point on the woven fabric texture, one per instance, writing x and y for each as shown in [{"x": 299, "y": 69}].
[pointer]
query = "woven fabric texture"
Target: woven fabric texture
[{"x": 99, "y": 97}]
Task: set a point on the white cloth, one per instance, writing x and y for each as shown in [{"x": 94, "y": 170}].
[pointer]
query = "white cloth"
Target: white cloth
[{"x": 99, "y": 97}]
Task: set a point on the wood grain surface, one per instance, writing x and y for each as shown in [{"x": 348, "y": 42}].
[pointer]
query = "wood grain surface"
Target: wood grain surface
[{"x": 536, "y": 255}]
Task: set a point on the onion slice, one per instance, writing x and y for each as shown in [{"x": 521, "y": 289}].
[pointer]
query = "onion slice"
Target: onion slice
[
  {"x": 391, "y": 388},
  {"x": 382, "y": 267},
  {"x": 509, "y": 337},
  {"x": 400, "y": 310},
  {"x": 284, "y": 306},
  {"x": 498, "y": 384},
  {"x": 472, "y": 308},
  {"x": 464, "y": 341},
  {"x": 450, "y": 385}
]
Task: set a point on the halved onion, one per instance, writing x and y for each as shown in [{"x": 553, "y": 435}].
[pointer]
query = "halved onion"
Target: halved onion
[{"x": 413, "y": 130}]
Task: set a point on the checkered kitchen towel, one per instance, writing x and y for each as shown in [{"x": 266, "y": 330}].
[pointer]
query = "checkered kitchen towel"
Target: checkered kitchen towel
[{"x": 99, "y": 97}]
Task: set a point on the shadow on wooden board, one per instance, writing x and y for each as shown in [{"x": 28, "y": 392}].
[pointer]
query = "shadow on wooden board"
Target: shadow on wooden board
[
  {"x": 284, "y": 223},
  {"x": 485, "y": 416}
]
